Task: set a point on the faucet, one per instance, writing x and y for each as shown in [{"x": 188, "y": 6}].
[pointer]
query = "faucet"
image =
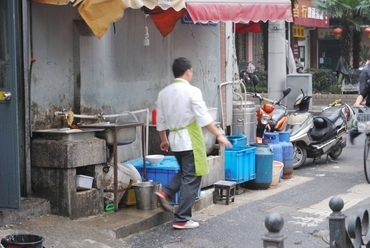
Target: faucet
[
  {"x": 101, "y": 116},
  {"x": 61, "y": 113}
]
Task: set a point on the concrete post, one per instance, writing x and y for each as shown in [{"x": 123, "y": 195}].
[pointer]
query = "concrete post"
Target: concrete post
[
  {"x": 337, "y": 225},
  {"x": 276, "y": 60},
  {"x": 274, "y": 223}
]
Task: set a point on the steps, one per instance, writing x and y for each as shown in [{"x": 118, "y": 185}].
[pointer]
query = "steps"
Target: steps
[{"x": 31, "y": 208}]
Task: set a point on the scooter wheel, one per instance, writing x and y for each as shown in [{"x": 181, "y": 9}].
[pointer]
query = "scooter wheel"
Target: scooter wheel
[
  {"x": 300, "y": 155},
  {"x": 336, "y": 153}
]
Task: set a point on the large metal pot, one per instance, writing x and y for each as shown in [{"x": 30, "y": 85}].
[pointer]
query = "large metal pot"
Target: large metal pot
[{"x": 210, "y": 139}]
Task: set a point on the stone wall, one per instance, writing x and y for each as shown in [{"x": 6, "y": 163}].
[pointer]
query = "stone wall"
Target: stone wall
[{"x": 325, "y": 99}]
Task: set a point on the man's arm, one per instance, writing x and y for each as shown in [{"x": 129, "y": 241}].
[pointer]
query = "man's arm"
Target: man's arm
[
  {"x": 164, "y": 141},
  {"x": 219, "y": 135}
]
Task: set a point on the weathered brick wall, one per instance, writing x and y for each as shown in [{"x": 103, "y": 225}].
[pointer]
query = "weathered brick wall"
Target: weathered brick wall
[{"x": 321, "y": 99}]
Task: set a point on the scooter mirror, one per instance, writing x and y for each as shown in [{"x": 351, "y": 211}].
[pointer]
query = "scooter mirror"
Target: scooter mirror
[
  {"x": 255, "y": 80},
  {"x": 287, "y": 91}
]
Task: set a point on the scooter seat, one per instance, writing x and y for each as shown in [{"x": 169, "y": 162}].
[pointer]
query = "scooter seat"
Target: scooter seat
[
  {"x": 332, "y": 113},
  {"x": 323, "y": 127},
  {"x": 277, "y": 114},
  {"x": 320, "y": 123}
]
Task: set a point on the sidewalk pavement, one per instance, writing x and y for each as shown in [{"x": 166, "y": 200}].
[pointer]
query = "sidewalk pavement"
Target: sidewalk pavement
[{"x": 104, "y": 230}]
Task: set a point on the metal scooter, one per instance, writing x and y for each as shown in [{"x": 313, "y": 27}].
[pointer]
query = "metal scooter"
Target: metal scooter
[
  {"x": 271, "y": 115},
  {"x": 313, "y": 136}
]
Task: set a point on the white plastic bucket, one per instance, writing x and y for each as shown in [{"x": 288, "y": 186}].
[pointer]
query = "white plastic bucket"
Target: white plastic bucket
[{"x": 276, "y": 172}]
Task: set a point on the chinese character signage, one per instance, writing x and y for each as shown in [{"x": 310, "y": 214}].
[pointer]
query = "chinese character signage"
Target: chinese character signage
[
  {"x": 305, "y": 14},
  {"x": 298, "y": 31}
]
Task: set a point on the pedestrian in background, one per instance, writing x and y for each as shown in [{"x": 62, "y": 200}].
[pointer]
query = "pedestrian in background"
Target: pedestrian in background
[
  {"x": 362, "y": 99},
  {"x": 182, "y": 110},
  {"x": 364, "y": 75}
]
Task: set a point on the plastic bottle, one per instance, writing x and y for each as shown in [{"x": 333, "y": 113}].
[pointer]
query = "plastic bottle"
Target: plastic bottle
[{"x": 154, "y": 116}]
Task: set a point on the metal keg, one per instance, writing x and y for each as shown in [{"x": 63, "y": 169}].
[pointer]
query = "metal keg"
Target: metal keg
[{"x": 244, "y": 119}]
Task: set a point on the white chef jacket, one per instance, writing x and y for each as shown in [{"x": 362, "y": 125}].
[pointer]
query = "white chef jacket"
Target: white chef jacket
[{"x": 178, "y": 105}]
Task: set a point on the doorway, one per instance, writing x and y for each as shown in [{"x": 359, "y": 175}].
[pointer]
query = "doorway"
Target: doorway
[
  {"x": 10, "y": 105},
  {"x": 328, "y": 54}
]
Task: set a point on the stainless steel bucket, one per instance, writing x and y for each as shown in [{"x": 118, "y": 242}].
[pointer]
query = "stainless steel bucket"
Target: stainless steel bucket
[
  {"x": 145, "y": 197},
  {"x": 244, "y": 120}
]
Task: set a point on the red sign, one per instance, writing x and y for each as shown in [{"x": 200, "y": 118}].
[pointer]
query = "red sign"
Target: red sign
[{"x": 305, "y": 14}]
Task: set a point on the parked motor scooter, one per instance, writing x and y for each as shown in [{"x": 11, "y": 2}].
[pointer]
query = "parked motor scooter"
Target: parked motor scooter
[
  {"x": 269, "y": 118},
  {"x": 247, "y": 74},
  {"x": 313, "y": 136}
]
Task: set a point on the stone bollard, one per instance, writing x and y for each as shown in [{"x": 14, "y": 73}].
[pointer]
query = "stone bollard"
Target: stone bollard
[
  {"x": 274, "y": 222},
  {"x": 356, "y": 234}
]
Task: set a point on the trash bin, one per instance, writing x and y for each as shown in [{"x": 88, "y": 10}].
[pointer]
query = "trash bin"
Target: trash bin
[
  {"x": 145, "y": 197},
  {"x": 22, "y": 240}
]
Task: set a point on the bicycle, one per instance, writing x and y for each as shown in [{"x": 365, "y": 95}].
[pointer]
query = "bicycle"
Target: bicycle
[{"x": 363, "y": 125}]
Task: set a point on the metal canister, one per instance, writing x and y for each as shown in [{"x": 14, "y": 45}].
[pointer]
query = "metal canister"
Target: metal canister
[
  {"x": 244, "y": 119},
  {"x": 288, "y": 154}
]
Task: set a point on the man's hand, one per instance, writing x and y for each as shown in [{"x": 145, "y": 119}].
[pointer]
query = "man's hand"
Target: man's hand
[
  {"x": 164, "y": 145},
  {"x": 223, "y": 140}
]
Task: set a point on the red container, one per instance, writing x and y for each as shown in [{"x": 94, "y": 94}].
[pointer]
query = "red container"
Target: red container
[{"x": 154, "y": 117}]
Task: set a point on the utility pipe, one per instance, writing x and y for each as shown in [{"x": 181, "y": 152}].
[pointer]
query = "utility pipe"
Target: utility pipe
[
  {"x": 220, "y": 93},
  {"x": 222, "y": 109},
  {"x": 146, "y": 124}
]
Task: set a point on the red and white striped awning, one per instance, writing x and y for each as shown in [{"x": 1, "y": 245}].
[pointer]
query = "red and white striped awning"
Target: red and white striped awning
[
  {"x": 239, "y": 11},
  {"x": 99, "y": 14}
]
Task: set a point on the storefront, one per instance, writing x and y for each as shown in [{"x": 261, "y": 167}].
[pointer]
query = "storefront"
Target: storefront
[{"x": 307, "y": 22}]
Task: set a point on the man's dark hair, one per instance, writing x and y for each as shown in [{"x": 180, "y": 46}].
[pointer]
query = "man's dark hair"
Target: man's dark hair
[{"x": 179, "y": 66}]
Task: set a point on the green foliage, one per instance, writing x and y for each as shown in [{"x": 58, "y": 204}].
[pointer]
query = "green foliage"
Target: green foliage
[
  {"x": 364, "y": 52},
  {"x": 261, "y": 87},
  {"x": 324, "y": 81}
]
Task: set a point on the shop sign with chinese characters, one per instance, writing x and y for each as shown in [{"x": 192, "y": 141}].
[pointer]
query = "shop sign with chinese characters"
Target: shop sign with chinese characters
[
  {"x": 298, "y": 31},
  {"x": 306, "y": 15}
]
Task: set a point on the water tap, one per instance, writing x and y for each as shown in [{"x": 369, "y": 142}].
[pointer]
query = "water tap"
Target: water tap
[
  {"x": 61, "y": 113},
  {"x": 101, "y": 116}
]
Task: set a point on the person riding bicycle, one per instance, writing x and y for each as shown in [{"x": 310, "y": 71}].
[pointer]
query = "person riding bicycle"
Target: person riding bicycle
[{"x": 362, "y": 98}]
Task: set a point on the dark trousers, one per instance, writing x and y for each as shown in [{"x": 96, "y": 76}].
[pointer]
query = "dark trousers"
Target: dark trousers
[
  {"x": 353, "y": 133},
  {"x": 187, "y": 183}
]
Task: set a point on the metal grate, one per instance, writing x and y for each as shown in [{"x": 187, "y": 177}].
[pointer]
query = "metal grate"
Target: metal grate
[
  {"x": 242, "y": 47},
  {"x": 363, "y": 122},
  {"x": 258, "y": 51}
]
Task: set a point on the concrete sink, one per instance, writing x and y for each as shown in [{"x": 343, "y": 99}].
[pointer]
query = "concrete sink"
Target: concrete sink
[
  {"x": 66, "y": 133},
  {"x": 126, "y": 131}
]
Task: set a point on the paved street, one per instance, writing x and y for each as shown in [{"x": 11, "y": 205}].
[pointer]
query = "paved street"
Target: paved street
[{"x": 302, "y": 201}]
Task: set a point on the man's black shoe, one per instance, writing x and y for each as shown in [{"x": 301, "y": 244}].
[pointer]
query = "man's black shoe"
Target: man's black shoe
[
  {"x": 351, "y": 139},
  {"x": 353, "y": 133}
]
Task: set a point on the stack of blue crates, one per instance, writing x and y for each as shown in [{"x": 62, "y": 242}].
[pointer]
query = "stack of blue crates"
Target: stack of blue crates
[
  {"x": 237, "y": 139},
  {"x": 161, "y": 173},
  {"x": 240, "y": 164}
]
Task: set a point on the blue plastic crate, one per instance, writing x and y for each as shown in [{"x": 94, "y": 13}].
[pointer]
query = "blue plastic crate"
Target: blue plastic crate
[
  {"x": 237, "y": 139},
  {"x": 138, "y": 163},
  {"x": 161, "y": 173},
  {"x": 240, "y": 164}
]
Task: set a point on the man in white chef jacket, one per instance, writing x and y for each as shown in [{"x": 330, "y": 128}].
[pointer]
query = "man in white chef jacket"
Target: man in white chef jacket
[{"x": 182, "y": 110}]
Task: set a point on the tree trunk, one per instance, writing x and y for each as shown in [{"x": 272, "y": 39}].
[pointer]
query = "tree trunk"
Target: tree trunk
[
  {"x": 345, "y": 39},
  {"x": 356, "y": 48}
]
